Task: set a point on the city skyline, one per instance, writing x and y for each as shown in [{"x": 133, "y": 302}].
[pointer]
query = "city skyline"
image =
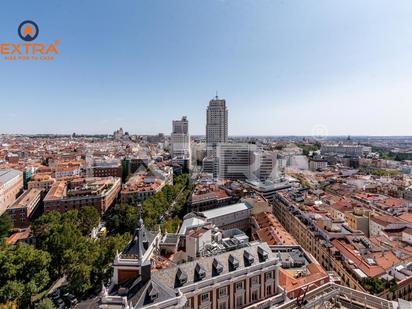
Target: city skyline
[{"x": 341, "y": 66}]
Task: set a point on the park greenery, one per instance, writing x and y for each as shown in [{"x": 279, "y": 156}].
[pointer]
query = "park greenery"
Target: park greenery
[
  {"x": 45, "y": 303},
  {"x": 381, "y": 172},
  {"x": 23, "y": 272},
  {"x": 6, "y": 224},
  {"x": 386, "y": 154},
  {"x": 122, "y": 218},
  {"x": 308, "y": 148},
  {"x": 64, "y": 246}
]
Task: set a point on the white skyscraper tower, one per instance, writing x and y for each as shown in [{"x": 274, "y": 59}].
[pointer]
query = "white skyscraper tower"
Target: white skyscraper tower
[
  {"x": 216, "y": 125},
  {"x": 180, "y": 140}
]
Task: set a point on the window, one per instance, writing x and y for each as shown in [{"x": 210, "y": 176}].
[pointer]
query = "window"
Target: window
[
  {"x": 255, "y": 280},
  {"x": 239, "y": 285},
  {"x": 222, "y": 305},
  {"x": 255, "y": 295},
  {"x": 269, "y": 275},
  {"x": 189, "y": 303},
  {"x": 239, "y": 301},
  {"x": 268, "y": 290},
  {"x": 204, "y": 298},
  {"x": 223, "y": 291}
]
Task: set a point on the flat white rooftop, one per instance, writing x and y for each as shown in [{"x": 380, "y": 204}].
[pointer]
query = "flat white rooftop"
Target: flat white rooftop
[
  {"x": 7, "y": 175},
  {"x": 222, "y": 211}
]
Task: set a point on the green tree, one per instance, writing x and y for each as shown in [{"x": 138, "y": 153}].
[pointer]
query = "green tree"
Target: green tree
[
  {"x": 43, "y": 226},
  {"x": 171, "y": 225},
  {"x": 88, "y": 219},
  {"x": 84, "y": 261},
  {"x": 71, "y": 217},
  {"x": 6, "y": 224},
  {"x": 121, "y": 219},
  {"x": 79, "y": 277},
  {"x": 45, "y": 303},
  {"x": 56, "y": 233},
  {"x": 11, "y": 291},
  {"x": 23, "y": 272},
  {"x": 107, "y": 250},
  {"x": 373, "y": 285}
]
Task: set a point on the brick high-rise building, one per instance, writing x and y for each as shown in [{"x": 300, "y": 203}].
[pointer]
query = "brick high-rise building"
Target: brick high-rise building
[{"x": 216, "y": 124}]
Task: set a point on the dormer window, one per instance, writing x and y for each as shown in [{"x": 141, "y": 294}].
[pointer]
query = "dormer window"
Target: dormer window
[
  {"x": 200, "y": 272},
  {"x": 233, "y": 262},
  {"x": 249, "y": 259},
  {"x": 152, "y": 292},
  {"x": 263, "y": 255},
  {"x": 218, "y": 268},
  {"x": 181, "y": 276}
]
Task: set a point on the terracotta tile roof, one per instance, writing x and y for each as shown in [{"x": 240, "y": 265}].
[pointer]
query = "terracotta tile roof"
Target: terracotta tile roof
[
  {"x": 385, "y": 220},
  {"x": 347, "y": 252},
  {"x": 271, "y": 231},
  {"x": 406, "y": 217},
  {"x": 290, "y": 283}
]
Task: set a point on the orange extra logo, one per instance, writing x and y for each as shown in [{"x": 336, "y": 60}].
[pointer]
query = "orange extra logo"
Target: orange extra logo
[{"x": 28, "y": 31}]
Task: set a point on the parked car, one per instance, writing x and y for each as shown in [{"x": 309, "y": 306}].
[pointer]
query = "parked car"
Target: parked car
[
  {"x": 54, "y": 295},
  {"x": 70, "y": 299},
  {"x": 59, "y": 303}
]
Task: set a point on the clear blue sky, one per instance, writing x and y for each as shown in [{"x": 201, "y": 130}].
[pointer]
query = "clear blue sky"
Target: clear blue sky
[{"x": 284, "y": 67}]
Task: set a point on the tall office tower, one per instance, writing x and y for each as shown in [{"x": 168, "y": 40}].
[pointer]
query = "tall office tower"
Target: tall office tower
[
  {"x": 180, "y": 140},
  {"x": 235, "y": 161},
  {"x": 216, "y": 125}
]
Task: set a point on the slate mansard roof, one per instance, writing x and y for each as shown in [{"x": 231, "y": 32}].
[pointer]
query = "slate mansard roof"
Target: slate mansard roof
[{"x": 213, "y": 266}]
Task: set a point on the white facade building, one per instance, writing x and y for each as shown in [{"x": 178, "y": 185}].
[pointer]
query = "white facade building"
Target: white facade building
[
  {"x": 180, "y": 141},
  {"x": 235, "y": 161},
  {"x": 350, "y": 150},
  {"x": 266, "y": 166}
]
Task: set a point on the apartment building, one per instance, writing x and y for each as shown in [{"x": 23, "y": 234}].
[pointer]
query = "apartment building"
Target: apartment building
[
  {"x": 97, "y": 192},
  {"x": 26, "y": 208},
  {"x": 208, "y": 196},
  {"x": 267, "y": 228},
  {"x": 41, "y": 181},
  {"x": 140, "y": 186},
  {"x": 313, "y": 238},
  {"x": 107, "y": 168}
]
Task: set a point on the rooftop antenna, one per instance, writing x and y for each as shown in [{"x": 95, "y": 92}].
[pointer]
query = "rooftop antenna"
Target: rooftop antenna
[{"x": 216, "y": 95}]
